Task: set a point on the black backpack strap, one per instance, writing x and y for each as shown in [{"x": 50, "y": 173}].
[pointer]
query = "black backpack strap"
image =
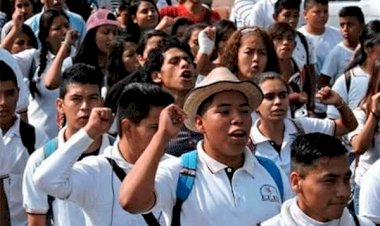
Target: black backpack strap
[
  {"x": 356, "y": 220},
  {"x": 347, "y": 78},
  {"x": 28, "y": 136},
  {"x": 305, "y": 45},
  {"x": 149, "y": 217},
  {"x": 176, "y": 214}
]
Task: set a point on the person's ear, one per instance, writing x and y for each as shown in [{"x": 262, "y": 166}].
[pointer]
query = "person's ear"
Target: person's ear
[
  {"x": 140, "y": 59},
  {"x": 156, "y": 77},
  {"x": 295, "y": 182},
  {"x": 199, "y": 124},
  {"x": 59, "y": 105},
  {"x": 125, "y": 127}
]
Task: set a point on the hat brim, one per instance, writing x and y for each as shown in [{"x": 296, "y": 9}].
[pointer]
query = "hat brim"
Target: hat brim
[{"x": 196, "y": 97}]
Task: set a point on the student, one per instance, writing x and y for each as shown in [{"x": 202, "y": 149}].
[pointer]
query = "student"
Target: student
[
  {"x": 79, "y": 94},
  {"x": 351, "y": 20},
  {"x": 321, "y": 179},
  {"x": 273, "y": 133},
  {"x": 75, "y": 20},
  {"x": 353, "y": 86},
  {"x": 93, "y": 183},
  {"x": 20, "y": 140},
  {"x": 227, "y": 174}
]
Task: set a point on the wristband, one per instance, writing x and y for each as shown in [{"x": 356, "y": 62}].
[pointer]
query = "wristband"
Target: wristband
[{"x": 206, "y": 45}]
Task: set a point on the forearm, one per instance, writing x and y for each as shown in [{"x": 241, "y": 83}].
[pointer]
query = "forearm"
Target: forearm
[
  {"x": 36, "y": 219},
  {"x": 137, "y": 189},
  {"x": 53, "y": 175},
  {"x": 347, "y": 121},
  {"x": 7, "y": 43},
  {"x": 204, "y": 65},
  {"x": 361, "y": 142},
  {"x": 53, "y": 78}
]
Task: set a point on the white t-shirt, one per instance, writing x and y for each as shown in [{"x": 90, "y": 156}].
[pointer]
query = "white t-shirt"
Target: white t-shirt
[
  {"x": 35, "y": 201},
  {"x": 369, "y": 201},
  {"x": 16, "y": 155},
  {"x": 323, "y": 43},
  {"x": 358, "y": 89},
  {"x": 214, "y": 199},
  {"x": 292, "y": 215},
  {"x": 264, "y": 146},
  {"x": 336, "y": 62},
  {"x": 90, "y": 183},
  {"x": 299, "y": 52},
  {"x": 372, "y": 154},
  {"x": 241, "y": 10}
]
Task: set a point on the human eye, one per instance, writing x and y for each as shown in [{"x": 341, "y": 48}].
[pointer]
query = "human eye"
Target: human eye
[
  {"x": 245, "y": 110},
  {"x": 174, "y": 60},
  {"x": 269, "y": 96},
  {"x": 283, "y": 95},
  {"x": 262, "y": 52}
]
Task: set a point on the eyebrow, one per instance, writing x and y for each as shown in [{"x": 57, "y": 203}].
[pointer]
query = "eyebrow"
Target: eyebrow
[{"x": 228, "y": 105}]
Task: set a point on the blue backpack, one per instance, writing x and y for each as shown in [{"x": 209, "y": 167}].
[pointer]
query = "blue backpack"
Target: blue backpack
[{"x": 187, "y": 176}]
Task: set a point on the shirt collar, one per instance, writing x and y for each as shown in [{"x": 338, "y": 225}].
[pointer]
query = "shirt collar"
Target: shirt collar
[
  {"x": 14, "y": 129},
  {"x": 258, "y": 137},
  {"x": 215, "y": 166},
  {"x": 116, "y": 155}
]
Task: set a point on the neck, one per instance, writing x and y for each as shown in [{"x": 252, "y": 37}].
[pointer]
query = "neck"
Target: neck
[
  {"x": 234, "y": 162},
  {"x": 286, "y": 68},
  {"x": 274, "y": 130},
  {"x": 314, "y": 30},
  {"x": 193, "y": 7},
  {"x": 179, "y": 97},
  {"x": 69, "y": 132},
  {"x": 5, "y": 126},
  {"x": 367, "y": 66},
  {"x": 127, "y": 153},
  {"x": 350, "y": 44}
]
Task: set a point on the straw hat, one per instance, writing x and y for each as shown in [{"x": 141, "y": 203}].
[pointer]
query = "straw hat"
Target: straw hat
[{"x": 218, "y": 80}]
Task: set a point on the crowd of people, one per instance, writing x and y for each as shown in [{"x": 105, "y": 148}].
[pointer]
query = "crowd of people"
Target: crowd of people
[{"x": 143, "y": 112}]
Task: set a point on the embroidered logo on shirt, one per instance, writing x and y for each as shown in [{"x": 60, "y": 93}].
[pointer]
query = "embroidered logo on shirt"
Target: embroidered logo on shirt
[{"x": 269, "y": 193}]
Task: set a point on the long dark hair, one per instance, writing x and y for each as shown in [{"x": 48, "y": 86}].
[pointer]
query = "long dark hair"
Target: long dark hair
[
  {"x": 88, "y": 51},
  {"x": 46, "y": 21}
]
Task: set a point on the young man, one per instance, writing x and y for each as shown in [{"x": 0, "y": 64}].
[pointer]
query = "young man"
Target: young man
[
  {"x": 351, "y": 20},
  {"x": 79, "y": 94},
  {"x": 230, "y": 183},
  {"x": 19, "y": 143},
  {"x": 321, "y": 179},
  {"x": 93, "y": 183}
]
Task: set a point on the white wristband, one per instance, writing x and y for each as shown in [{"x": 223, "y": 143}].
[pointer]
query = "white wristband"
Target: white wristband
[{"x": 206, "y": 45}]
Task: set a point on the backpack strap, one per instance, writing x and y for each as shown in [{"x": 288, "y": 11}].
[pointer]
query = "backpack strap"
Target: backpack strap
[
  {"x": 305, "y": 45},
  {"x": 355, "y": 218},
  {"x": 28, "y": 136},
  {"x": 299, "y": 127},
  {"x": 185, "y": 184},
  {"x": 120, "y": 173},
  {"x": 50, "y": 147},
  {"x": 273, "y": 170},
  {"x": 347, "y": 78}
]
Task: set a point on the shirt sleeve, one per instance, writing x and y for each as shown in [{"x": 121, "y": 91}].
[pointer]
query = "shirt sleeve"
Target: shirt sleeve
[
  {"x": 313, "y": 125},
  {"x": 331, "y": 65},
  {"x": 339, "y": 87}
]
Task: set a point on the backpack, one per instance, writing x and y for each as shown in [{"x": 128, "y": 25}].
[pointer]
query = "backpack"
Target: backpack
[
  {"x": 49, "y": 148},
  {"x": 187, "y": 176},
  {"x": 28, "y": 136},
  {"x": 149, "y": 217}
]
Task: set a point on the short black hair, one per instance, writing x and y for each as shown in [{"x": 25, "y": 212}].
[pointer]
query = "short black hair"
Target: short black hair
[
  {"x": 181, "y": 21},
  {"x": 286, "y": 4},
  {"x": 308, "y": 4},
  {"x": 307, "y": 149},
  {"x": 189, "y": 31},
  {"x": 80, "y": 73},
  {"x": 7, "y": 74},
  {"x": 156, "y": 58},
  {"x": 137, "y": 99},
  {"x": 352, "y": 11},
  {"x": 146, "y": 36}
]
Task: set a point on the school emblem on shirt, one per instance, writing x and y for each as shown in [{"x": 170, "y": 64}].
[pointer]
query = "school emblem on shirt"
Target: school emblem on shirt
[{"x": 269, "y": 193}]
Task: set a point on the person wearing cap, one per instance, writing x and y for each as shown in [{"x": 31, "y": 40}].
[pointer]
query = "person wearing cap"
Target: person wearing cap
[
  {"x": 230, "y": 184},
  {"x": 93, "y": 183},
  {"x": 75, "y": 20},
  {"x": 102, "y": 29}
]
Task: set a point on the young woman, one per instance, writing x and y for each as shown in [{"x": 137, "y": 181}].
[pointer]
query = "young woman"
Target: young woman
[
  {"x": 25, "y": 39},
  {"x": 24, "y": 8},
  {"x": 191, "y": 36},
  {"x": 353, "y": 86},
  {"x": 273, "y": 133},
  {"x": 223, "y": 30},
  {"x": 365, "y": 140},
  {"x": 35, "y": 62}
]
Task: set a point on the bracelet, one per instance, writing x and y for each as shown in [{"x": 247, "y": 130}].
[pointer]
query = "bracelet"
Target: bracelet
[
  {"x": 377, "y": 117},
  {"x": 66, "y": 44}
]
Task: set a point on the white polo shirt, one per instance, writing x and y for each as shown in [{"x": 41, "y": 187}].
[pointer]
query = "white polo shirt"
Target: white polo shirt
[
  {"x": 16, "y": 156},
  {"x": 35, "y": 201},
  {"x": 90, "y": 183},
  {"x": 369, "y": 156},
  {"x": 337, "y": 61},
  {"x": 358, "y": 89},
  {"x": 241, "y": 11},
  {"x": 264, "y": 146},
  {"x": 369, "y": 201},
  {"x": 292, "y": 215},
  {"x": 250, "y": 197}
]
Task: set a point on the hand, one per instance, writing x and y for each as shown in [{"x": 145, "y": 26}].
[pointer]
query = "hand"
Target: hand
[
  {"x": 206, "y": 40},
  {"x": 328, "y": 96},
  {"x": 99, "y": 122},
  {"x": 302, "y": 97},
  {"x": 375, "y": 105},
  {"x": 165, "y": 22},
  {"x": 71, "y": 37},
  {"x": 17, "y": 19},
  {"x": 171, "y": 120}
]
